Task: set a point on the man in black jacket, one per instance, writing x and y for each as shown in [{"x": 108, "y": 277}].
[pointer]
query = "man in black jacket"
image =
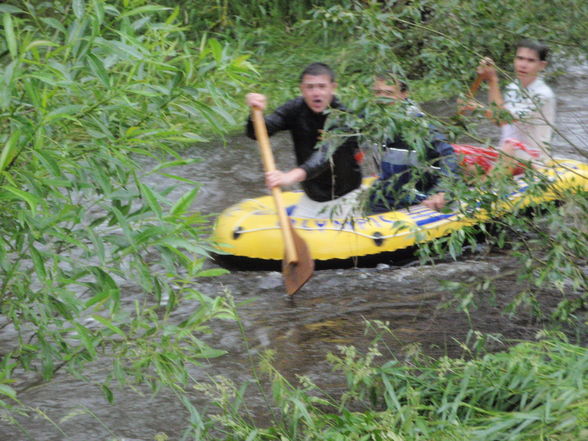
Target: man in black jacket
[{"x": 329, "y": 176}]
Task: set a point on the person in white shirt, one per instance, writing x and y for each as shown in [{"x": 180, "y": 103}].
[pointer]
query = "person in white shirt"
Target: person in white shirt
[{"x": 526, "y": 134}]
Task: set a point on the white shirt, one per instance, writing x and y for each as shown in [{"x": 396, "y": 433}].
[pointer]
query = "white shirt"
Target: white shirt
[{"x": 533, "y": 108}]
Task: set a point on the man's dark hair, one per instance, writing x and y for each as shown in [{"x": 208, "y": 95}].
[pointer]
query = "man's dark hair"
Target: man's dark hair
[
  {"x": 391, "y": 77},
  {"x": 316, "y": 69},
  {"x": 541, "y": 48}
]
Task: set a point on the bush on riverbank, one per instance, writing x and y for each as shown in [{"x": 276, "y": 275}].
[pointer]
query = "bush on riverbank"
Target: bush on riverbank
[
  {"x": 94, "y": 259},
  {"x": 534, "y": 390},
  {"x": 438, "y": 44}
]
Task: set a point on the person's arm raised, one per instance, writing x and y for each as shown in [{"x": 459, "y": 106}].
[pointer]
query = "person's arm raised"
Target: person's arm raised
[{"x": 487, "y": 72}]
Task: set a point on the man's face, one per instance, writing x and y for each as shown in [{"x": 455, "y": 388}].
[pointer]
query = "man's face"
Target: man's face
[
  {"x": 317, "y": 91},
  {"x": 388, "y": 90},
  {"x": 527, "y": 64}
]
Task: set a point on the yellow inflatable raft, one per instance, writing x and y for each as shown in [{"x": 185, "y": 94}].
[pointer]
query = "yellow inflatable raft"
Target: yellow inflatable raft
[{"x": 247, "y": 234}]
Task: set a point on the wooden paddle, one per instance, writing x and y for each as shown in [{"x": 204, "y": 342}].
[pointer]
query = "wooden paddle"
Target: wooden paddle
[
  {"x": 297, "y": 265},
  {"x": 471, "y": 92},
  {"x": 475, "y": 86}
]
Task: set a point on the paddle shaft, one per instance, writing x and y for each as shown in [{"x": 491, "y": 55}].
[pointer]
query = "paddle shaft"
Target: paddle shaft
[
  {"x": 475, "y": 86},
  {"x": 472, "y": 91},
  {"x": 269, "y": 165}
]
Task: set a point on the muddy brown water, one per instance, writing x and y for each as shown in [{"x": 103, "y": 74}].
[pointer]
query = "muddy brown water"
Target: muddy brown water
[{"x": 331, "y": 309}]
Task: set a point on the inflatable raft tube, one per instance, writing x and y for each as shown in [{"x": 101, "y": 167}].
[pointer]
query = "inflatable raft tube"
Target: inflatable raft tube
[{"x": 247, "y": 235}]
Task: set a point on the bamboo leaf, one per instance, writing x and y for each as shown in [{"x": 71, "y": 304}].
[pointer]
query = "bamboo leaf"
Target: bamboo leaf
[
  {"x": 144, "y": 9},
  {"x": 50, "y": 162},
  {"x": 98, "y": 6},
  {"x": 9, "y": 9},
  {"x": 76, "y": 31},
  {"x": 106, "y": 322},
  {"x": 227, "y": 116},
  {"x": 55, "y": 24},
  {"x": 9, "y": 151},
  {"x": 202, "y": 110},
  {"x": 173, "y": 16},
  {"x": 180, "y": 178},
  {"x": 215, "y": 49},
  {"x": 40, "y": 43},
  {"x": 253, "y": 435},
  {"x": 105, "y": 283},
  {"x": 118, "y": 370},
  {"x": 67, "y": 111},
  {"x": 209, "y": 352},
  {"x": 9, "y": 73},
  {"x": 184, "y": 203},
  {"x": 124, "y": 224},
  {"x": 213, "y": 272},
  {"x": 107, "y": 393},
  {"x": 69, "y": 238},
  {"x": 6, "y": 88},
  {"x": 124, "y": 49},
  {"x": 175, "y": 163},
  {"x": 187, "y": 137},
  {"x": 38, "y": 263},
  {"x": 175, "y": 244},
  {"x": 47, "y": 363},
  {"x": 147, "y": 235},
  {"x": 86, "y": 339},
  {"x": 25, "y": 196},
  {"x": 9, "y": 35},
  {"x": 97, "y": 68},
  {"x": 152, "y": 201},
  {"x": 98, "y": 249},
  {"x": 98, "y": 298},
  {"x": 78, "y": 8},
  {"x": 7, "y": 391},
  {"x": 111, "y": 10},
  {"x": 45, "y": 77},
  {"x": 147, "y": 90}
]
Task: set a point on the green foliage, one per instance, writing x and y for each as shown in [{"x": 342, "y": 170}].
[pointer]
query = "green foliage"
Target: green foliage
[
  {"x": 549, "y": 242},
  {"x": 95, "y": 259},
  {"x": 440, "y": 39},
  {"x": 224, "y": 15},
  {"x": 534, "y": 390},
  {"x": 437, "y": 44}
]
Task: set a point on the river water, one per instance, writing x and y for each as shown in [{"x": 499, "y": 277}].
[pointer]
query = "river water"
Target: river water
[{"x": 330, "y": 310}]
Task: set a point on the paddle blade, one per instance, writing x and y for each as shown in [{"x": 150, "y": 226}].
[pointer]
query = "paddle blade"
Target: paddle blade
[{"x": 297, "y": 273}]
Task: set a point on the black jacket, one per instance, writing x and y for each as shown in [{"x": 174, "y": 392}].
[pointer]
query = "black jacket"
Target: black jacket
[{"x": 329, "y": 175}]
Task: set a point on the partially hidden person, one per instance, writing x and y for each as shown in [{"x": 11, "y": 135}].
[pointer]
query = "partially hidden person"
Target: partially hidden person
[
  {"x": 329, "y": 175},
  {"x": 408, "y": 176}
]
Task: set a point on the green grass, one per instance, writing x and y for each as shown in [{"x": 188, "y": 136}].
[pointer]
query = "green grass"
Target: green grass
[{"x": 533, "y": 391}]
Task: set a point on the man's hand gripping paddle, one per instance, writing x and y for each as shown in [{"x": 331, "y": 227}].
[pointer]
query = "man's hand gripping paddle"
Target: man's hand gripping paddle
[{"x": 297, "y": 265}]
